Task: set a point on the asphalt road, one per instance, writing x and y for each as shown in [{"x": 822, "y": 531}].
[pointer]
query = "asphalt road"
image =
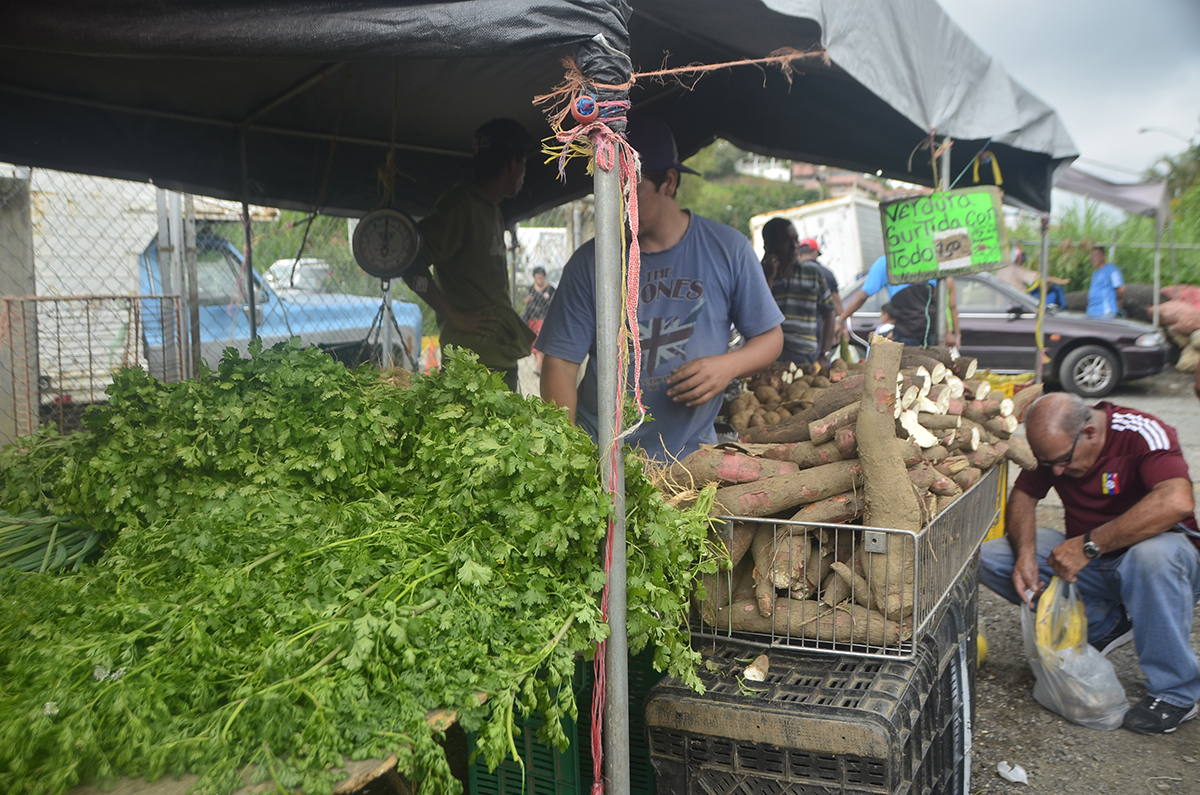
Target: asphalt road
[{"x": 1059, "y": 757}]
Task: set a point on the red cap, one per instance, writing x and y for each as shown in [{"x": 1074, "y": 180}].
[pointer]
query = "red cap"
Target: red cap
[{"x": 808, "y": 242}]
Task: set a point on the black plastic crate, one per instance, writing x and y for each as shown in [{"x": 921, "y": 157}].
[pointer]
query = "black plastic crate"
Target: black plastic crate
[{"x": 822, "y": 724}]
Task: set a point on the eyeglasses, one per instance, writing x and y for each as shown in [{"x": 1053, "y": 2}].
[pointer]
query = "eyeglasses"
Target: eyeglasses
[{"x": 1063, "y": 460}]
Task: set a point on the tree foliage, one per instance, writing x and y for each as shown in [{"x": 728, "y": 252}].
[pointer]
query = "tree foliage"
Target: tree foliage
[{"x": 729, "y": 198}]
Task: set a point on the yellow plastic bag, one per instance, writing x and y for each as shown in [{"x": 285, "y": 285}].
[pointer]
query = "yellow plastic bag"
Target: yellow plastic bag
[
  {"x": 1073, "y": 679},
  {"x": 1061, "y": 623}
]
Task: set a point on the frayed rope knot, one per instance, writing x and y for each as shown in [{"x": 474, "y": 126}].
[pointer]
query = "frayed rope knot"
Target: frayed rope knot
[
  {"x": 606, "y": 150},
  {"x": 585, "y": 140}
]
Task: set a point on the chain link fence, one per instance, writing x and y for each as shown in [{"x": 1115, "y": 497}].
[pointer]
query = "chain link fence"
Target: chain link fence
[
  {"x": 100, "y": 274},
  {"x": 72, "y": 314}
]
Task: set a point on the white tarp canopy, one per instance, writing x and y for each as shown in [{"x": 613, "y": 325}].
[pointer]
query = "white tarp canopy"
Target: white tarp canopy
[
  {"x": 1149, "y": 199},
  {"x": 1139, "y": 198},
  {"x": 916, "y": 59}
]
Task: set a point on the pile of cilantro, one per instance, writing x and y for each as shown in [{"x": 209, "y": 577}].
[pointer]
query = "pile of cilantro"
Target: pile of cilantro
[{"x": 305, "y": 561}]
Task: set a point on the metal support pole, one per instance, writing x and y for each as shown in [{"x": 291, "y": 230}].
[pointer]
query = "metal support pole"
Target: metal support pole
[
  {"x": 943, "y": 324},
  {"x": 514, "y": 262},
  {"x": 1157, "y": 268},
  {"x": 385, "y": 327},
  {"x": 1044, "y": 268},
  {"x": 172, "y": 368},
  {"x": 570, "y": 227},
  {"x": 248, "y": 237},
  {"x": 1174, "y": 270},
  {"x": 179, "y": 279},
  {"x": 609, "y": 304},
  {"x": 193, "y": 286},
  {"x": 164, "y": 251}
]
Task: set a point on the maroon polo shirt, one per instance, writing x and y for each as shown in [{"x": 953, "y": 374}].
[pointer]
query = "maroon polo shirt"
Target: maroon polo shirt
[{"x": 1140, "y": 451}]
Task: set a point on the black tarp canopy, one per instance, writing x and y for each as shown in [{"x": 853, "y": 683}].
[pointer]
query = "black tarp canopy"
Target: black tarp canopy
[{"x": 165, "y": 90}]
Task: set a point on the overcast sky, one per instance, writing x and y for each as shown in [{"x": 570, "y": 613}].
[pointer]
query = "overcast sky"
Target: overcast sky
[{"x": 1109, "y": 68}]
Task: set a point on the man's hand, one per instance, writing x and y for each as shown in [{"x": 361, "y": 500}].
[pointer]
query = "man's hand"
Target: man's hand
[
  {"x": 1027, "y": 579},
  {"x": 478, "y": 321},
  {"x": 770, "y": 265},
  {"x": 1068, "y": 558},
  {"x": 528, "y": 298},
  {"x": 952, "y": 339},
  {"x": 700, "y": 380}
]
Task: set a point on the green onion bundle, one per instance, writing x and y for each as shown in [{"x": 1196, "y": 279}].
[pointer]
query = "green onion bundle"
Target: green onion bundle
[{"x": 30, "y": 541}]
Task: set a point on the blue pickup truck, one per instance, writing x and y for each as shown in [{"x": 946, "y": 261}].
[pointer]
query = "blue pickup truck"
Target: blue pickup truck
[{"x": 338, "y": 323}]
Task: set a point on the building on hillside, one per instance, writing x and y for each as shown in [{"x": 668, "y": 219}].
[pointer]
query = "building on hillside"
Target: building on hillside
[
  {"x": 765, "y": 167},
  {"x": 834, "y": 183}
]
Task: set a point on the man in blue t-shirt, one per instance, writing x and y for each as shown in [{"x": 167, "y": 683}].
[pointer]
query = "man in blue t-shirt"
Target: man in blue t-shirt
[
  {"x": 1107, "y": 290},
  {"x": 697, "y": 278},
  {"x": 914, "y": 307}
]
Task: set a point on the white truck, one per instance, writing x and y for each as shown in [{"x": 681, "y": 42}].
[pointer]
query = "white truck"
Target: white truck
[{"x": 847, "y": 229}]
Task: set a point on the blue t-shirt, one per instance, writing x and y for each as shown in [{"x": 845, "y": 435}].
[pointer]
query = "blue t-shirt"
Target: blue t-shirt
[
  {"x": 690, "y": 294},
  {"x": 1102, "y": 292}
]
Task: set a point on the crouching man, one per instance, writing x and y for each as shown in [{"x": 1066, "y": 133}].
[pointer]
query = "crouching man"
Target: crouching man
[{"x": 1131, "y": 546}]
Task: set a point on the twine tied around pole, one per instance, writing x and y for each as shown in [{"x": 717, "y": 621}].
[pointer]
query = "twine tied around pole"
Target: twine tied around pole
[{"x": 592, "y": 137}]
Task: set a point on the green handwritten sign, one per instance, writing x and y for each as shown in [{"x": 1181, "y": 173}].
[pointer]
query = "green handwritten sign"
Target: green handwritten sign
[{"x": 944, "y": 234}]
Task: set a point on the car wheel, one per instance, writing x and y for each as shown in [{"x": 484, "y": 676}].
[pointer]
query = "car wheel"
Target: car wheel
[{"x": 1089, "y": 371}]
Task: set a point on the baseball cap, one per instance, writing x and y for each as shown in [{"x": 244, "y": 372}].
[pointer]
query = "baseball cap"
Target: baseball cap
[
  {"x": 808, "y": 242},
  {"x": 655, "y": 144},
  {"x": 501, "y": 138}
]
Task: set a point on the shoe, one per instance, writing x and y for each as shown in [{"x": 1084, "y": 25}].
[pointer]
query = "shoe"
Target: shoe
[
  {"x": 1121, "y": 634},
  {"x": 1155, "y": 716}
]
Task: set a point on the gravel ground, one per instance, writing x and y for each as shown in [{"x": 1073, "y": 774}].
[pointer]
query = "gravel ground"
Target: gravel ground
[{"x": 1059, "y": 757}]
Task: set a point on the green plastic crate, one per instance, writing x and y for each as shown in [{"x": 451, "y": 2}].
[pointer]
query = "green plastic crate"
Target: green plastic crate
[{"x": 548, "y": 771}]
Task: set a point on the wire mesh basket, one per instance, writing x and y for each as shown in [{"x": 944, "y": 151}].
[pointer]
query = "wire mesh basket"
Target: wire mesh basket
[{"x": 826, "y": 587}]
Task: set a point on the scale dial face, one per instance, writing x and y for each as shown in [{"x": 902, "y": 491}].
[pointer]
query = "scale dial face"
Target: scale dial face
[{"x": 386, "y": 243}]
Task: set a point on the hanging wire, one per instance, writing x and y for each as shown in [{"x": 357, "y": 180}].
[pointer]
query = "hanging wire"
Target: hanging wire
[
  {"x": 386, "y": 173},
  {"x": 975, "y": 162}
]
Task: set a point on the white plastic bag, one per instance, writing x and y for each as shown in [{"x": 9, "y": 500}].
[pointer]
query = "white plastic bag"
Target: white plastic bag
[{"x": 1073, "y": 679}]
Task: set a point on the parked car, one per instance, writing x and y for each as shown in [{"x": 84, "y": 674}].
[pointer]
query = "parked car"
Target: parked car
[
  {"x": 305, "y": 275},
  {"x": 1088, "y": 356},
  {"x": 337, "y": 322}
]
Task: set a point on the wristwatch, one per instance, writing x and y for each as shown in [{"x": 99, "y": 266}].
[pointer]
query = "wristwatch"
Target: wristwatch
[{"x": 1089, "y": 546}]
